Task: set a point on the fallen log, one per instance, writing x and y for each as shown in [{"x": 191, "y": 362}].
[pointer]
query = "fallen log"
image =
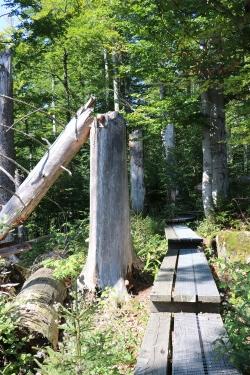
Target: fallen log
[
  {"x": 12, "y": 248},
  {"x": 48, "y": 169},
  {"x": 34, "y": 306}
]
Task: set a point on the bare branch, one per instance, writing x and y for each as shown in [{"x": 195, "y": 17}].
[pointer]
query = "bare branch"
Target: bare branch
[
  {"x": 7, "y": 174},
  {"x": 14, "y": 162}
]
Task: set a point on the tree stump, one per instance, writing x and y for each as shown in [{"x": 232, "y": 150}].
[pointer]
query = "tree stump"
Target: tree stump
[{"x": 109, "y": 257}]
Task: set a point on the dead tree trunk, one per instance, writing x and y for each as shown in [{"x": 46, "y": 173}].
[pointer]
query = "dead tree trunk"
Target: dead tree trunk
[
  {"x": 109, "y": 258},
  {"x": 168, "y": 136},
  {"x": 137, "y": 188},
  {"x": 42, "y": 177},
  {"x": 7, "y": 186},
  {"x": 34, "y": 305}
]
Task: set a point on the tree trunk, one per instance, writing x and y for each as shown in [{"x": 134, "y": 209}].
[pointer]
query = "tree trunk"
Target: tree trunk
[
  {"x": 207, "y": 174},
  {"x": 106, "y": 69},
  {"x": 168, "y": 136},
  {"x": 115, "y": 83},
  {"x": 42, "y": 177},
  {"x": 34, "y": 305},
  {"x": 137, "y": 188},
  {"x": 109, "y": 258},
  {"x": 7, "y": 186},
  {"x": 213, "y": 110}
]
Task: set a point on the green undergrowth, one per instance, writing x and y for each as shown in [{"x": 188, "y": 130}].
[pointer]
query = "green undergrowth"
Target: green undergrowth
[
  {"x": 98, "y": 338},
  {"x": 234, "y": 282},
  {"x": 148, "y": 241}
]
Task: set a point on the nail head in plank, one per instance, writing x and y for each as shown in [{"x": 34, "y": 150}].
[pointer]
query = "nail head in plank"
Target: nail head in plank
[
  {"x": 153, "y": 356},
  {"x": 162, "y": 288},
  {"x": 187, "y": 354},
  {"x": 212, "y": 332}
]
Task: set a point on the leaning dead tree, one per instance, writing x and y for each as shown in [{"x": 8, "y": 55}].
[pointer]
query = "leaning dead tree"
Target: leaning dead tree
[
  {"x": 48, "y": 169},
  {"x": 34, "y": 306},
  {"x": 109, "y": 258},
  {"x": 137, "y": 187},
  {"x": 7, "y": 169}
]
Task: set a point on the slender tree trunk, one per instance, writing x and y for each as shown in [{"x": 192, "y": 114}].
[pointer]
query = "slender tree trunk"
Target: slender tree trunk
[
  {"x": 66, "y": 82},
  {"x": 213, "y": 110},
  {"x": 53, "y": 107},
  {"x": 207, "y": 174},
  {"x": 137, "y": 188},
  {"x": 7, "y": 186},
  {"x": 106, "y": 69},
  {"x": 168, "y": 137},
  {"x": 116, "y": 83},
  {"x": 109, "y": 258}
]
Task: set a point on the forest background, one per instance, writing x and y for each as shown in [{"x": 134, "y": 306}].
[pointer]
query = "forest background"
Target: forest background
[{"x": 162, "y": 56}]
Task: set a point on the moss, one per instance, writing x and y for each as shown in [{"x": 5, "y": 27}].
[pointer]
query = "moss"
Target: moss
[{"x": 234, "y": 244}]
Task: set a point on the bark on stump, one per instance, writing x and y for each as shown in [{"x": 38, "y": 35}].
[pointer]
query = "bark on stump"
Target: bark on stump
[
  {"x": 34, "y": 305},
  {"x": 109, "y": 257},
  {"x": 137, "y": 188}
]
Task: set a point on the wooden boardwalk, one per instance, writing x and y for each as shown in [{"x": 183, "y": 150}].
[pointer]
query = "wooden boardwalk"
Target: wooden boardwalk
[{"x": 185, "y": 326}]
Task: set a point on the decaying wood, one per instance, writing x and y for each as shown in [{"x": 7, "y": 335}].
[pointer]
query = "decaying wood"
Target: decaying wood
[
  {"x": 34, "y": 306},
  {"x": 45, "y": 173},
  {"x": 15, "y": 249},
  {"x": 110, "y": 256}
]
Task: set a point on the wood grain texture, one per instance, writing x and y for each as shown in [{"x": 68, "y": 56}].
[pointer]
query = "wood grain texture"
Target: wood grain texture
[
  {"x": 205, "y": 285},
  {"x": 213, "y": 334},
  {"x": 163, "y": 285},
  {"x": 110, "y": 253},
  {"x": 187, "y": 354},
  {"x": 153, "y": 356},
  {"x": 185, "y": 288}
]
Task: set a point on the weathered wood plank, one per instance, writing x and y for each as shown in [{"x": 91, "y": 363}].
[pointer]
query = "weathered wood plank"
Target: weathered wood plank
[
  {"x": 205, "y": 285},
  {"x": 211, "y": 330},
  {"x": 187, "y": 353},
  {"x": 153, "y": 356},
  {"x": 185, "y": 233},
  {"x": 170, "y": 233},
  {"x": 185, "y": 288},
  {"x": 163, "y": 285}
]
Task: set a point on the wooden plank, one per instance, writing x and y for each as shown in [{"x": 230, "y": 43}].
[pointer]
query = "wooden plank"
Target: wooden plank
[
  {"x": 187, "y": 353},
  {"x": 185, "y": 288},
  {"x": 170, "y": 233},
  {"x": 185, "y": 233},
  {"x": 162, "y": 288},
  {"x": 205, "y": 285},
  {"x": 153, "y": 356},
  {"x": 212, "y": 331}
]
